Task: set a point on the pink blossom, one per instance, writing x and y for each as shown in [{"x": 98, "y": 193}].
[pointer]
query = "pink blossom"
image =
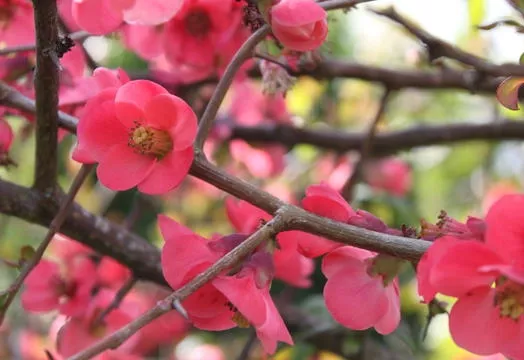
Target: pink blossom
[
  {"x": 487, "y": 279},
  {"x": 239, "y": 299},
  {"x": 80, "y": 332},
  {"x": 392, "y": 175},
  {"x": 103, "y": 16},
  {"x": 291, "y": 265},
  {"x": 355, "y": 296},
  {"x": 47, "y": 289},
  {"x": 111, "y": 273},
  {"x": 299, "y": 25},
  {"x": 16, "y": 25},
  {"x": 140, "y": 135}
]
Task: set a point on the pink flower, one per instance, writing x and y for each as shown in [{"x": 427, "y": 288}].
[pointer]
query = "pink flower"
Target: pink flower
[
  {"x": 392, "y": 175},
  {"x": 100, "y": 17},
  {"x": 17, "y": 24},
  {"x": 47, "y": 289},
  {"x": 81, "y": 331},
  {"x": 299, "y": 25},
  {"x": 291, "y": 266},
  {"x": 140, "y": 135},
  {"x": 355, "y": 296},
  {"x": 486, "y": 277},
  {"x": 248, "y": 292},
  {"x": 192, "y": 35},
  {"x": 239, "y": 299}
]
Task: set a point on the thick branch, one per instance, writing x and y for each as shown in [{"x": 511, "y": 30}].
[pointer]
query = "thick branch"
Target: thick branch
[
  {"x": 46, "y": 92},
  {"x": 96, "y": 232},
  {"x": 383, "y": 143}
]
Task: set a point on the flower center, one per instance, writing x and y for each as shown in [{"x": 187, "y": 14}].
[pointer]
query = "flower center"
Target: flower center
[
  {"x": 197, "y": 23},
  {"x": 240, "y": 320},
  {"x": 149, "y": 141},
  {"x": 509, "y": 298}
]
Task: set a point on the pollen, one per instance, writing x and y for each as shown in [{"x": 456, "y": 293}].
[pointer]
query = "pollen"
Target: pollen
[
  {"x": 150, "y": 141},
  {"x": 509, "y": 299},
  {"x": 240, "y": 320}
]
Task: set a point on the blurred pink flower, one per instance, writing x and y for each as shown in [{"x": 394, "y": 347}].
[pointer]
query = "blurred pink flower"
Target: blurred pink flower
[
  {"x": 486, "y": 277},
  {"x": 140, "y": 135},
  {"x": 46, "y": 288},
  {"x": 392, "y": 175},
  {"x": 299, "y": 25},
  {"x": 100, "y": 17},
  {"x": 6, "y": 137},
  {"x": 355, "y": 296}
]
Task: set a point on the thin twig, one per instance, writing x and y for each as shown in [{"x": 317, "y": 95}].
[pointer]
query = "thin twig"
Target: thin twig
[
  {"x": 251, "y": 340},
  {"x": 46, "y": 94},
  {"x": 365, "y": 150},
  {"x": 438, "y": 48},
  {"x": 54, "y": 227},
  {"x": 270, "y": 229},
  {"x": 117, "y": 300},
  {"x": 77, "y": 36},
  {"x": 245, "y": 51}
]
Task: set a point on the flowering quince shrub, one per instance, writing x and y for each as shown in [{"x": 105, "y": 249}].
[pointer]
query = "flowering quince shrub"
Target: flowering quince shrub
[{"x": 261, "y": 262}]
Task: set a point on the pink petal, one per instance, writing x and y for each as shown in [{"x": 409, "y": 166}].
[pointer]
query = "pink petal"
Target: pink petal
[
  {"x": 345, "y": 256},
  {"x": 427, "y": 264},
  {"x": 295, "y": 13},
  {"x": 325, "y": 201},
  {"x": 307, "y": 244},
  {"x": 505, "y": 228},
  {"x": 44, "y": 273},
  {"x": 99, "y": 130},
  {"x": 273, "y": 329},
  {"x": 183, "y": 256},
  {"x": 6, "y": 136},
  {"x": 354, "y": 299},
  {"x": 389, "y": 322},
  {"x": 219, "y": 322},
  {"x": 152, "y": 12},
  {"x": 168, "y": 112},
  {"x": 508, "y": 92},
  {"x": 131, "y": 99},
  {"x": 207, "y": 302},
  {"x": 40, "y": 300},
  {"x": 96, "y": 16},
  {"x": 171, "y": 230},
  {"x": 244, "y": 294},
  {"x": 167, "y": 173},
  {"x": 475, "y": 324},
  {"x": 457, "y": 271},
  {"x": 292, "y": 267},
  {"x": 244, "y": 216},
  {"x": 106, "y": 78},
  {"x": 122, "y": 168}
]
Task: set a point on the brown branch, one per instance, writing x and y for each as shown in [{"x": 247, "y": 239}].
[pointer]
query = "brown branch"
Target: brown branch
[
  {"x": 96, "y": 232},
  {"x": 54, "y": 227},
  {"x": 366, "y": 148},
  {"x": 245, "y": 52},
  {"x": 77, "y": 36},
  {"x": 270, "y": 229},
  {"x": 46, "y": 93},
  {"x": 383, "y": 143},
  {"x": 439, "y": 48}
]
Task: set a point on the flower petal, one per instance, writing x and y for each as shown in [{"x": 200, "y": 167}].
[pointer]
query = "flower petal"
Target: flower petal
[
  {"x": 475, "y": 324},
  {"x": 355, "y": 299},
  {"x": 325, "y": 201},
  {"x": 505, "y": 228},
  {"x": 170, "y": 113},
  {"x": 458, "y": 270},
  {"x": 167, "y": 173},
  {"x": 148, "y": 12},
  {"x": 389, "y": 322},
  {"x": 122, "y": 168},
  {"x": 343, "y": 257},
  {"x": 131, "y": 99},
  {"x": 96, "y": 16}
]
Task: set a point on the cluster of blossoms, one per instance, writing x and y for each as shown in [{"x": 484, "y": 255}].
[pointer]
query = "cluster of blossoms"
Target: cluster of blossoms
[
  {"x": 81, "y": 286},
  {"x": 141, "y": 135}
]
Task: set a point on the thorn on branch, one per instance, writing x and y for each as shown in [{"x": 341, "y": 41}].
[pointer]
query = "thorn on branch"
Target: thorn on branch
[{"x": 64, "y": 44}]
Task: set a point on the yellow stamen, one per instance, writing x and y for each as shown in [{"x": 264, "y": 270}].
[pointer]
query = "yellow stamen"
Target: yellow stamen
[
  {"x": 149, "y": 141},
  {"x": 240, "y": 320}
]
